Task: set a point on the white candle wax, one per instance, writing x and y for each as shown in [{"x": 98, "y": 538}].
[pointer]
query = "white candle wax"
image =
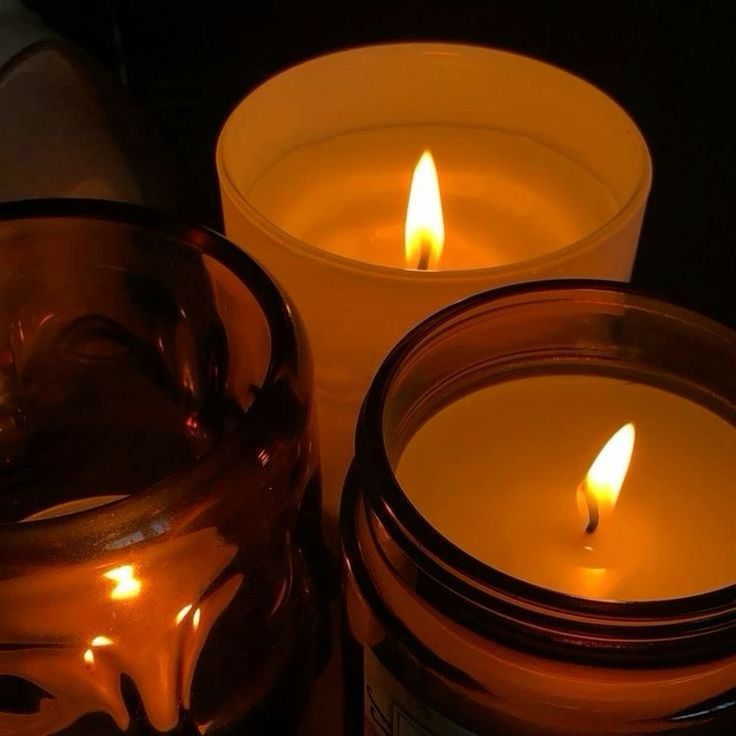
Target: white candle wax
[
  {"x": 496, "y": 473},
  {"x": 348, "y": 194}
]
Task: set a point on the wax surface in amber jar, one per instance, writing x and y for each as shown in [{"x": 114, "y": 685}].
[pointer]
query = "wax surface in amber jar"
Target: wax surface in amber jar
[{"x": 496, "y": 473}]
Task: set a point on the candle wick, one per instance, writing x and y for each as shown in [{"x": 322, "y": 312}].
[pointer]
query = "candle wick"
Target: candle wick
[
  {"x": 592, "y": 504},
  {"x": 424, "y": 253}
]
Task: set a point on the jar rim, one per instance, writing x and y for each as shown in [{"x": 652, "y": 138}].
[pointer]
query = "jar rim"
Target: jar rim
[
  {"x": 278, "y": 314},
  {"x": 464, "y": 577}
]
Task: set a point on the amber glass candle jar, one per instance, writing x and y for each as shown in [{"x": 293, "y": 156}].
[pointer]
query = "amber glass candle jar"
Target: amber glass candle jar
[
  {"x": 476, "y": 601},
  {"x": 158, "y": 466}
]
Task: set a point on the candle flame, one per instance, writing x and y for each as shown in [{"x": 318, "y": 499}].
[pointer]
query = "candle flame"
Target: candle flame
[
  {"x": 183, "y": 613},
  {"x": 89, "y": 657},
  {"x": 424, "y": 231},
  {"x": 608, "y": 471},
  {"x": 600, "y": 490},
  {"x": 127, "y": 584}
]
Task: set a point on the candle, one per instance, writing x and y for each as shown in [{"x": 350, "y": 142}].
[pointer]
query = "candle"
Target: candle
[
  {"x": 541, "y": 175},
  {"x": 537, "y": 534},
  {"x": 157, "y": 448},
  {"x": 526, "y": 200},
  {"x": 497, "y": 473}
]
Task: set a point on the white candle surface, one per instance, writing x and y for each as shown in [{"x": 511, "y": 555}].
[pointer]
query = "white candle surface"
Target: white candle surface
[
  {"x": 506, "y": 197},
  {"x": 496, "y": 473}
]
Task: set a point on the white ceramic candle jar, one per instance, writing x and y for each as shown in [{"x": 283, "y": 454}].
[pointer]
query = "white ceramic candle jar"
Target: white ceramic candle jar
[{"x": 541, "y": 176}]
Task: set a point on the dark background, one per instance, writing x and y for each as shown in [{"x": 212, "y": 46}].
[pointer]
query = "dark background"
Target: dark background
[{"x": 670, "y": 63}]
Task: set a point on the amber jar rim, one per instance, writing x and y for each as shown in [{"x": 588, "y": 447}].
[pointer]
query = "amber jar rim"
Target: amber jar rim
[
  {"x": 372, "y": 478},
  {"x": 509, "y": 272},
  {"x": 279, "y": 316}
]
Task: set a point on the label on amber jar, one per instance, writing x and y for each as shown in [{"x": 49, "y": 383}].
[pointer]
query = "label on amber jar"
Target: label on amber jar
[{"x": 389, "y": 709}]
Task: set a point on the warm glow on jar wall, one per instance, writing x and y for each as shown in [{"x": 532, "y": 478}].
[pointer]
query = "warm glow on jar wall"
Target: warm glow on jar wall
[
  {"x": 537, "y": 526},
  {"x": 540, "y": 176}
]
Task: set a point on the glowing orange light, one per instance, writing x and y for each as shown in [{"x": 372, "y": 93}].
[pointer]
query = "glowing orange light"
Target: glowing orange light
[
  {"x": 89, "y": 657},
  {"x": 127, "y": 584},
  {"x": 599, "y": 492},
  {"x": 183, "y": 613},
  {"x": 196, "y": 618},
  {"x": 101, "y": 641},
  {"x": 424, "y": 231}
]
